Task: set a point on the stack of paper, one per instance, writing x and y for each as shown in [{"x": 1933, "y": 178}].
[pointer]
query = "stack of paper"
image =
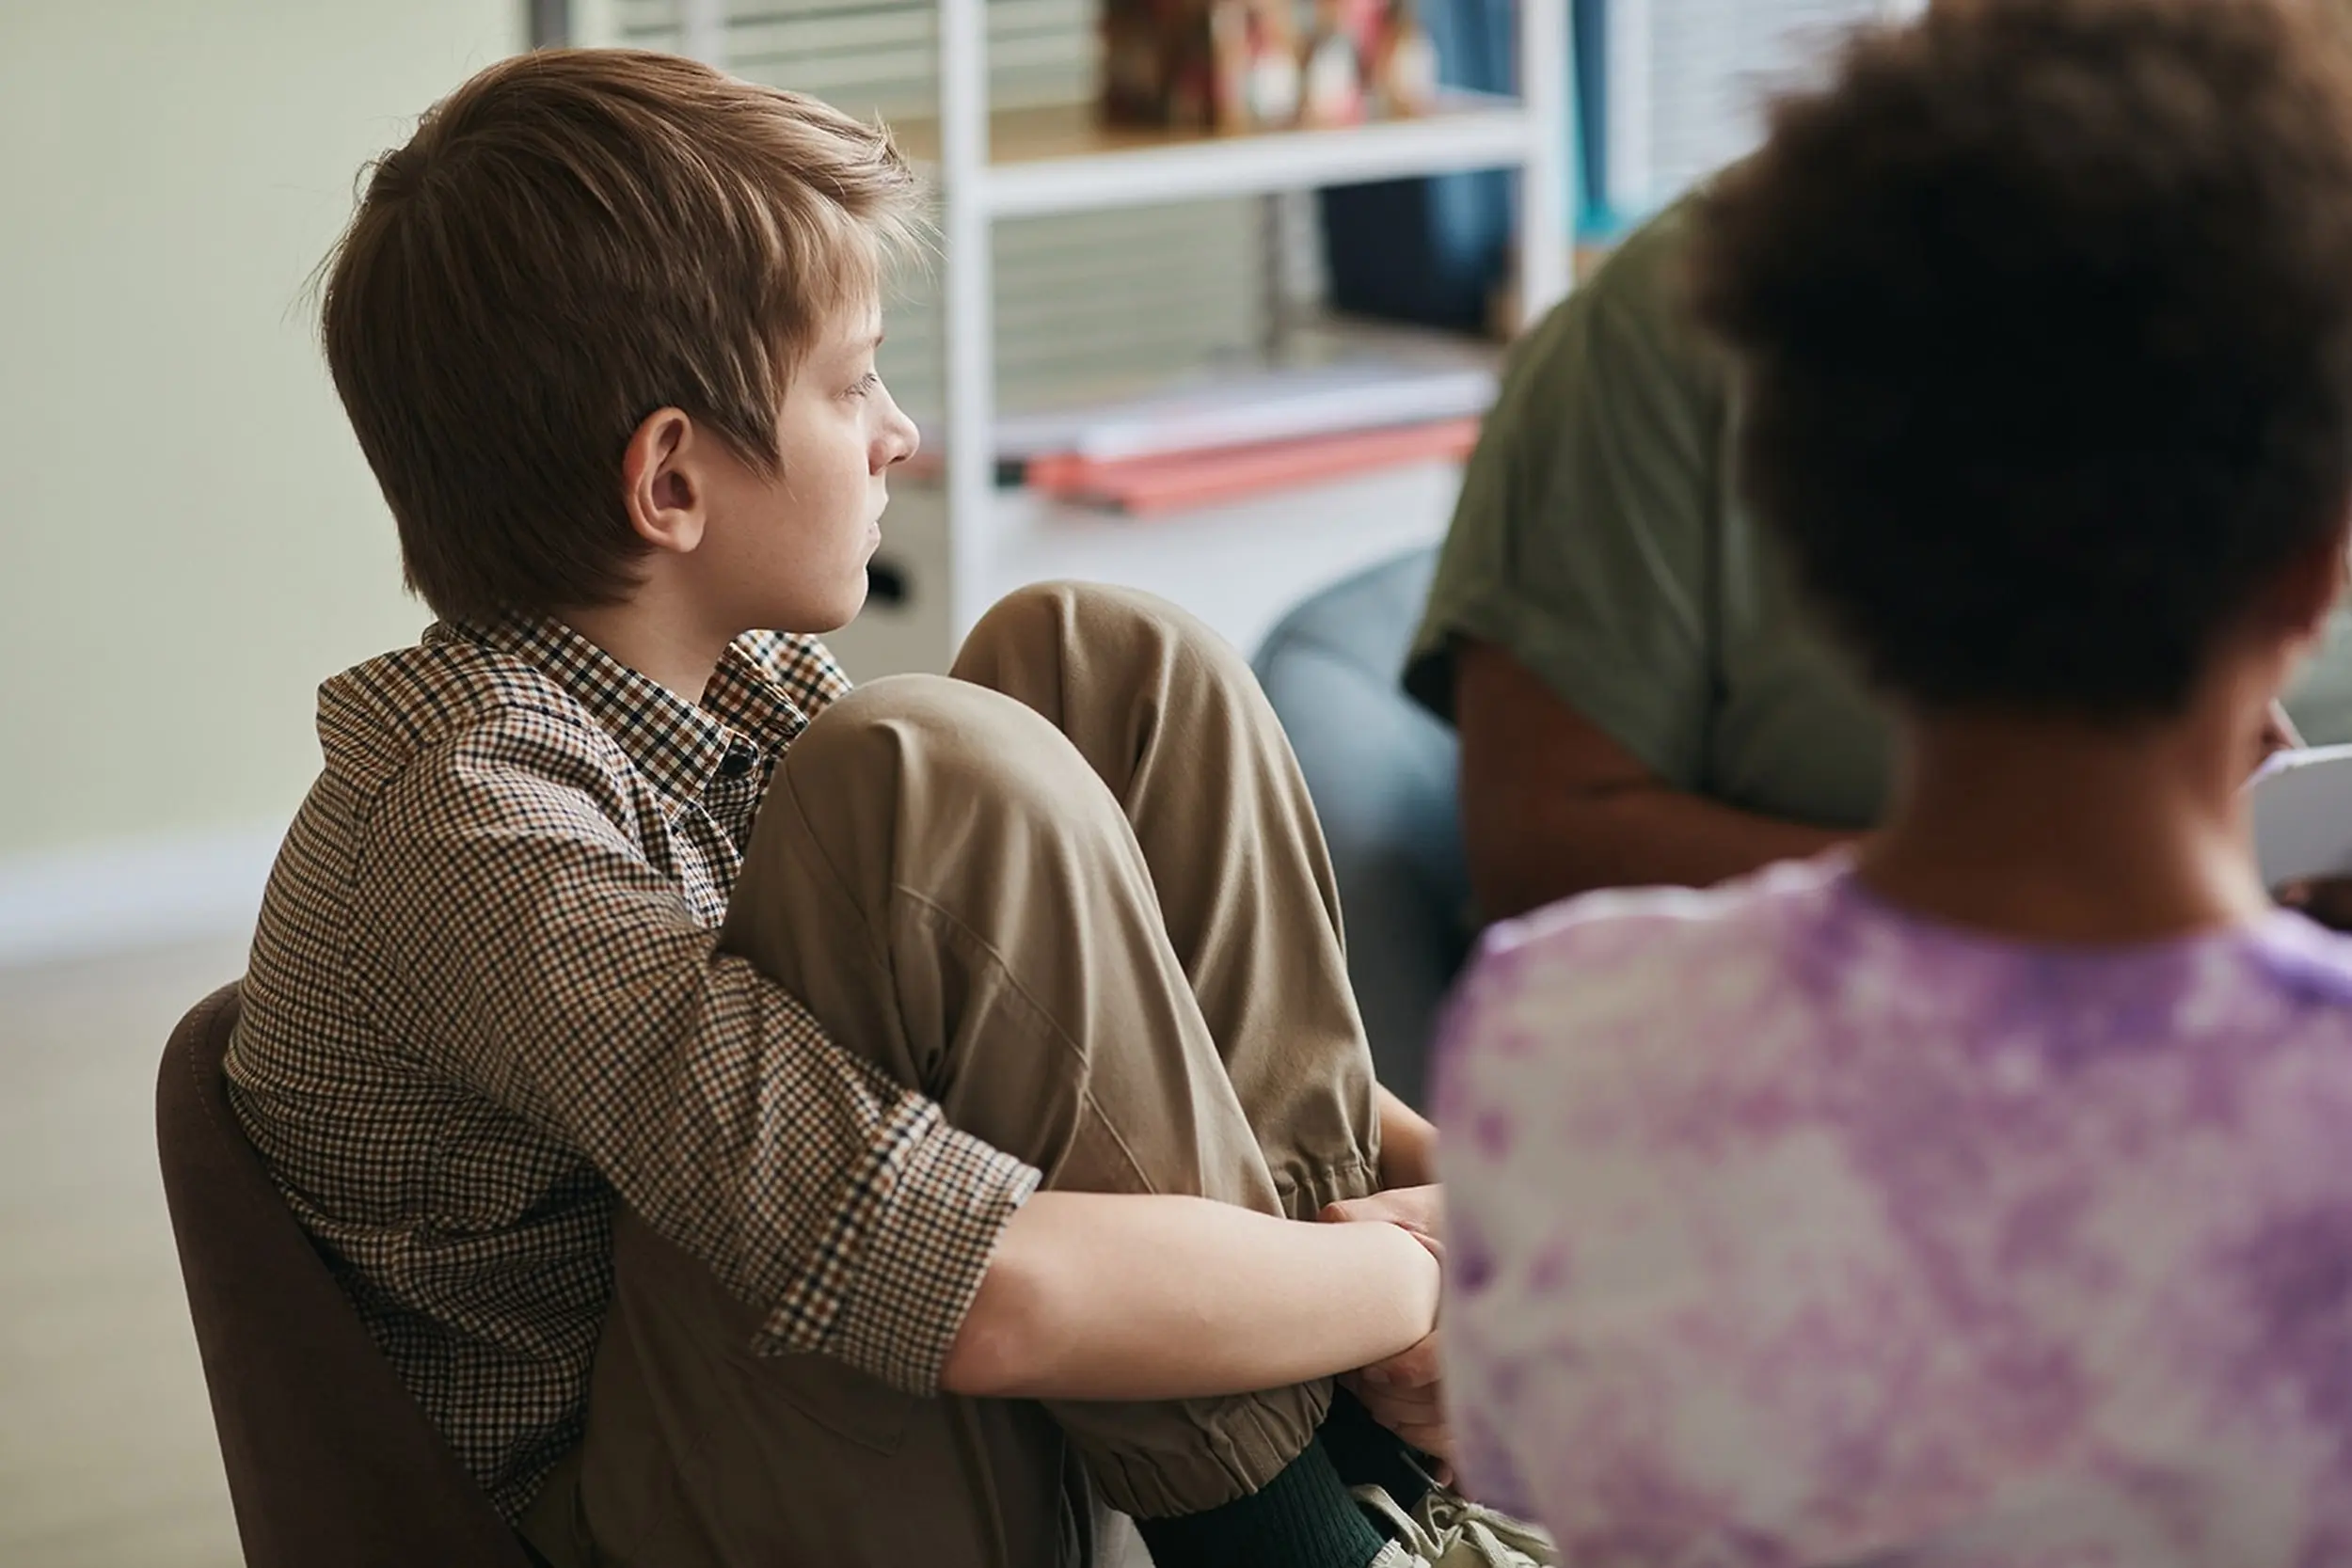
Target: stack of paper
[
  {"x": 2302, "y": 809},
  {"x": 1233, "y": 408},
  {"x": 1170, "y": 481}
]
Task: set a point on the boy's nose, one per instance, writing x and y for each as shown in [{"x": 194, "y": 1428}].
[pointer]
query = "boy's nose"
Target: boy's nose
[{"x": 903, "y": 441}]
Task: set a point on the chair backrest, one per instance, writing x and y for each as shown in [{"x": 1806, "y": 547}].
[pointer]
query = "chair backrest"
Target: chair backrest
[{"x": 330, "y": 1460}]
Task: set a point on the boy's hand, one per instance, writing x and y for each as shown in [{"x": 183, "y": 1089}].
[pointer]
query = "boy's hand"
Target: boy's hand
[
  {"x": 1418, "y": 1209},
  {"x": 1405, "y": 1393}
]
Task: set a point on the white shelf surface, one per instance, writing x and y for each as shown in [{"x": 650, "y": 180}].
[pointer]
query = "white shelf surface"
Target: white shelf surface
[
  {"x": 1248, "y": 561},
  {"x": 1239, "y": 566},
  {"x": 1059, "y": 160}
]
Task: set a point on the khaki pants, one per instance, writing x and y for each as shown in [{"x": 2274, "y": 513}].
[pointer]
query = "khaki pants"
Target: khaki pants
[{"x": 1077, "y": 895}]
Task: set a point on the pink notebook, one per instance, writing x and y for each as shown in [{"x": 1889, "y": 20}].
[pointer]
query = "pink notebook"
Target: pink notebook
[{"x": 1175, "y": 479}]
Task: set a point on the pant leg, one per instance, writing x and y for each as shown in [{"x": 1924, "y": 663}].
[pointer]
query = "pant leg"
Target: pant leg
[
  {"x": 1110, "y": 948},
  {"x": 1172, "y": 719}
]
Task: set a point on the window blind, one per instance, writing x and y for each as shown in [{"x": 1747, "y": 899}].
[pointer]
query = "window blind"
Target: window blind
[{"x": 1686, "y": 80}]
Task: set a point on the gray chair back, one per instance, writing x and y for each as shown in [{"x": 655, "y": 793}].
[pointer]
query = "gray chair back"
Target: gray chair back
[{"x": 1381, "y": 769}]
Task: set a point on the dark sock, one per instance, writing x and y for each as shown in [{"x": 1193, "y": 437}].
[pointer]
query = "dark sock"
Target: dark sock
[
  {"x": 1368, "y": 1454},
  {"x": 1302, "y": 1518}
]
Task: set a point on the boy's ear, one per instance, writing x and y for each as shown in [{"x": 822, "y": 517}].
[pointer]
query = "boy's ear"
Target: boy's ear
[{"x": 662, "y": 483}]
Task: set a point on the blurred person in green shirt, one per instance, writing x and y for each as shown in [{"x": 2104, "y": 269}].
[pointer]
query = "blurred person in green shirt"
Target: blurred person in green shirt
[{"x": 1641, "y": 697}]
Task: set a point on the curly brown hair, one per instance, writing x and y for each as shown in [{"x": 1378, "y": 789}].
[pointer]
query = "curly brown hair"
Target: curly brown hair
[{"x": 2043, "y": 315}]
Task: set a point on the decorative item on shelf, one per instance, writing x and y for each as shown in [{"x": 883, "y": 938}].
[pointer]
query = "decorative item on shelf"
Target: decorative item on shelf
[
  {"x": 1404, "y": 64},
  {"x": 1335, "y": 67},
  {"x": 1159, "y": 66},
  {"x": 1242, "y": 65},
  {"x": 1256, "y": 53},
  {"x": 1231, "y": 52},
  {"x": 1274, "y": 83}
]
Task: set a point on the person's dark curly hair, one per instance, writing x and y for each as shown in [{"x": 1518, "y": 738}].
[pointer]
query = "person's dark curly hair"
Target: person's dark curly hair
[{"x": 2042, "y": 313}]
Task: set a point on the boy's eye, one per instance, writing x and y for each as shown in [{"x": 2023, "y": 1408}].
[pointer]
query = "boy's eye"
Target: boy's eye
[{"x": 865, "y": 384}]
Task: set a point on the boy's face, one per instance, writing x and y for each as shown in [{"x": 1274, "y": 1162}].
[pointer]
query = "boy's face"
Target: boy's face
[{"x": 788, "y": 552}]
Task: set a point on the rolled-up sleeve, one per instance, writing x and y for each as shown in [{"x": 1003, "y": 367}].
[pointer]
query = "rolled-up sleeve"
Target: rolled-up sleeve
[
  {"x": 1582, "y": 539},
  {"x": 524, "y": 947}
]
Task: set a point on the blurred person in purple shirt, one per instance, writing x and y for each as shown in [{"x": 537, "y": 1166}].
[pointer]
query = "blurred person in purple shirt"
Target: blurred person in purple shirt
[{"x": 1974, "y": 1196}]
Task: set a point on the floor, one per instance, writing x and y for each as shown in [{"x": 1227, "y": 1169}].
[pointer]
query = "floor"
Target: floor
[{"x": 106, "y": 1451}]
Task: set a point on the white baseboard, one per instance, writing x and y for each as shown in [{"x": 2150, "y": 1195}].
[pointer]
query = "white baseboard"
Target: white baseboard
[{"x": 128, "y": 893}]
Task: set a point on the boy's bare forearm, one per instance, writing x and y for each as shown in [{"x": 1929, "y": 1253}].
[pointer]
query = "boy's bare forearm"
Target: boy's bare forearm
[{"x": 1101, "y": 1296}]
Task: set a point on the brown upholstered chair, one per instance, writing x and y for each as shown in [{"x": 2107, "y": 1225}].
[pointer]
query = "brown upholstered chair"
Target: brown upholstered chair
[{"x": 330, "y": 1460}]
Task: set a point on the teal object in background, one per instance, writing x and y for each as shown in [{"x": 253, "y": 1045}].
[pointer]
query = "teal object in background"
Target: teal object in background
[
  {"x": 1599, "y": 216},
  {"x": 1381, "y": 769}
]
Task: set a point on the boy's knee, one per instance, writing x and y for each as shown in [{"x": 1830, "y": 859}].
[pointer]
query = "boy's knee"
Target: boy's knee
[
  {"x": 948, "y": 746},
  {"x": 1069, "y": 626}
]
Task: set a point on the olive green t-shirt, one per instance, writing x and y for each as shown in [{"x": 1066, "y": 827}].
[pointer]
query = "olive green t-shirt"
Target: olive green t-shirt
[{"x": 1599, "y": 541}]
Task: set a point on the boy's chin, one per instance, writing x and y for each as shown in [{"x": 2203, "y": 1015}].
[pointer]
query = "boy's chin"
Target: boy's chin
[{"x": 815, "y": 618}]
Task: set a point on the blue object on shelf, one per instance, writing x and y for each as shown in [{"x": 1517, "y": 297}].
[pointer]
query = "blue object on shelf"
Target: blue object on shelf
[
  {"x": 1431, "y": 250},
  {"x": 1588, "y": 43},
  {"x": 1601, "y": 214}
]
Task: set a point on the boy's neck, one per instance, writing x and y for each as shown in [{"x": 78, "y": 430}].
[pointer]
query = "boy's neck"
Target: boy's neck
[
  {"x": 659, "y": 647},
  {"x": 2047, "y": 829}
]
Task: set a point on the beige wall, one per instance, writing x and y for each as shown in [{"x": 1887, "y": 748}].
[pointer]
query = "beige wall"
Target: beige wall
[{"x": 191, "y": 539}]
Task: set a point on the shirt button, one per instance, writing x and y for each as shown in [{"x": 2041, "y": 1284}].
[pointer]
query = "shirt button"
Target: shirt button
[{"x": 737, "y": 761}]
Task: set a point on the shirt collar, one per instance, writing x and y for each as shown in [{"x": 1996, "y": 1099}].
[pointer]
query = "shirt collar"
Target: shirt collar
[{"x": 677, "y": 745}]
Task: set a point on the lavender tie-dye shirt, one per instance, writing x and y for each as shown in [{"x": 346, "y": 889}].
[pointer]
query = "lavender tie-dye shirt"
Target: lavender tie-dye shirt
[{"x": 1788, "y": 1229}]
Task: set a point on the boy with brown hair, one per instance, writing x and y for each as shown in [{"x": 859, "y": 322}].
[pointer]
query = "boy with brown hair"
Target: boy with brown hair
[{"x": 907, "y": 1100}]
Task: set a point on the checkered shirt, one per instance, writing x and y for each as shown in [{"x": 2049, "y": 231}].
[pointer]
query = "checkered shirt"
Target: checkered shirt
[{"x": 485, "y": 998}]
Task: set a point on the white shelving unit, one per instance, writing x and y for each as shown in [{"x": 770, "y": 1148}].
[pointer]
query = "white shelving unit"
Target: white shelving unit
[
  {"x": 1029, "y": 163},
  {"x": 962, "y": 543},
  {"x": 1058, "y": 160}
]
